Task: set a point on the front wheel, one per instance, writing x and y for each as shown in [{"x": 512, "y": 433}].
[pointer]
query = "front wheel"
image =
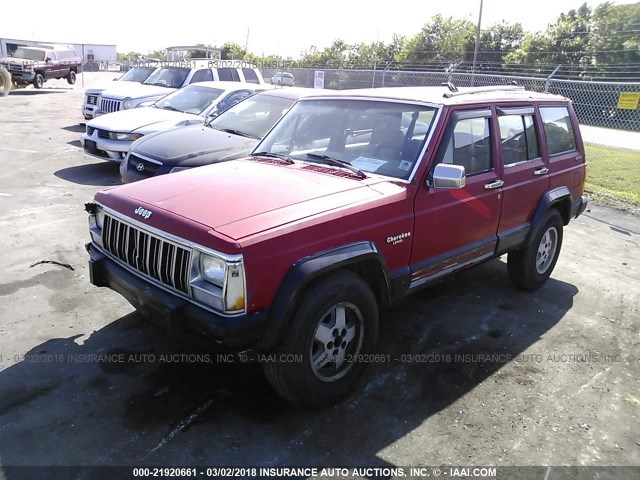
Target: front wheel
[
  {"x": 71, "y": 78},
  {"x": 530, "y": 267},
  {"x": 320, "y": 357},
  {"x": 5, "y": 82}
]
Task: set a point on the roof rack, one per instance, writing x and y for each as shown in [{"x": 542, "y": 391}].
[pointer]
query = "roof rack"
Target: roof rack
[{"x": 472, "y": 90}]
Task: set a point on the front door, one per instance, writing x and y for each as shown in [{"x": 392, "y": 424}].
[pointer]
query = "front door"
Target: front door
[{"x": 458, "y": 227}]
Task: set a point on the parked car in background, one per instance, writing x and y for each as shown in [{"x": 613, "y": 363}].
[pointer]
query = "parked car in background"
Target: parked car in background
[
  {"x": 233, "y": 134},
  {"x": 166, "y": 79},
  {"x": 110, "y": 136},
  {"x": 342, "y": 209},
  {"x": 283, "y": 78},
  {"x": 38, "y": 63},
  {"x": 136, "y": 75}
]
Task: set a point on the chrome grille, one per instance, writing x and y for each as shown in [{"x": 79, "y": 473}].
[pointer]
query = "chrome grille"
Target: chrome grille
[
  {"x": 166, "y": 262},
  {"x": 103, "y": 134},
  {"x": 108, "y": 106},
  {"x": 92, "y": 99}
]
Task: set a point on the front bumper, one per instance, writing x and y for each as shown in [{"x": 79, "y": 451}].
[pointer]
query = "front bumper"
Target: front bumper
[
  {"x": 110, "y": 150},
  {"x": 170, "y": 312},
  {"x": 22, "y": 76}
]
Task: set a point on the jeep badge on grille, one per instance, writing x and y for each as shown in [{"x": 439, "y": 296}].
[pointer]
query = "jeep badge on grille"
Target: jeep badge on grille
[{"x": 143, "y": 212}]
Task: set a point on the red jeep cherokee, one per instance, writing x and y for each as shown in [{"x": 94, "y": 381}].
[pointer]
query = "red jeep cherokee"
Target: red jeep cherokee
[{"x": 353, "y": 200}]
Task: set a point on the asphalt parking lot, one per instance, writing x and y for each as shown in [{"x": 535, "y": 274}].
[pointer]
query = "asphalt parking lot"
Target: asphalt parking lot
[{"x": 479, "y": 373}]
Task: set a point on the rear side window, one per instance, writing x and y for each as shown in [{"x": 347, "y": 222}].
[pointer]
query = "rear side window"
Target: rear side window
[
  {"x": 204, "y": 75},
  {"x": 250, "y": 76},
  {"x": 518, "y": 138},
  {"x": 469, "y": 145},
  {"x": 558, "y": 129},
  {"x": 228, "y": 75}
]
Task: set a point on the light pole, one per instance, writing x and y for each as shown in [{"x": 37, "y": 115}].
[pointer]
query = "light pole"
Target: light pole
[{"x": 475, "y": 50}]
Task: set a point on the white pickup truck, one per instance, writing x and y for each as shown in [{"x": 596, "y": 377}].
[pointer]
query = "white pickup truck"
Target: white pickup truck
[{"x": 166, "y": 79}]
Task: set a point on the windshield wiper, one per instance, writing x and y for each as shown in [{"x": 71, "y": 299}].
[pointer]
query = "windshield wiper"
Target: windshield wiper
[
  {"x": 172, "y": 108},
  {"x": 337, "y": 163},
  {"x": 236, "y": 132},
  {"x": 273, "y": 155}
]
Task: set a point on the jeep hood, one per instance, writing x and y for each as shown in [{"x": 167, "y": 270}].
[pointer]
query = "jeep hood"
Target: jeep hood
[
  {"x": 244, "y": 197},
  {"x": 138, "y": 118},
  {"x": 194, "y": 146}
]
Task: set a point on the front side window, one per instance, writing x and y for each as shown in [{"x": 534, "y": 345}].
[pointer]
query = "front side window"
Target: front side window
[
  {"x": 204, "y": 75},
  {"x": 192, "y": 99},
  {"x": 518, "y": 138},
  {"x": 171, "y": 77},
  {"x": 468, "y": 145},
  {"x": 558, "y": 129},
  {"x": 228, "y": 75},
  {"x": 376, "y": 137}
]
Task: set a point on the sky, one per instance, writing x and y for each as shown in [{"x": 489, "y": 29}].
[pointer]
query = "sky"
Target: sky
[{"x": 283, "y": 27}]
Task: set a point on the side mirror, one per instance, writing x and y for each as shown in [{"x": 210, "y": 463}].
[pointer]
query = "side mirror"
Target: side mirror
[{"x": 446, "y": 175}]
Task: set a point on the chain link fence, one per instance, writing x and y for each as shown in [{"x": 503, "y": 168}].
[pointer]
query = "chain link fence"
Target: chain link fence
[{"x": 596, "y": 103}]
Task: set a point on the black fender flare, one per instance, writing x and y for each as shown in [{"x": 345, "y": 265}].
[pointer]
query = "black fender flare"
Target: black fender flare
[
  {"x": 310, "y": 268},
  {"x": 559, "y": 198}
]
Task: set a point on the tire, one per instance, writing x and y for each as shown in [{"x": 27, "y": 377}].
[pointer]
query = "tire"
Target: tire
[
  {"x": 530, "y": 267},
  {"x": 71, "y": 78},
  {"x": 5, "y": 82},
  {"x": 313, "y": 328},
  {"x": 38, "y": 81}
]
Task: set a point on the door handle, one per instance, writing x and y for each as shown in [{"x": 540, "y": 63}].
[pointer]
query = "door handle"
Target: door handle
[
  {"x": 494, "y": 184},
  {"x": 541, "y": 171}
]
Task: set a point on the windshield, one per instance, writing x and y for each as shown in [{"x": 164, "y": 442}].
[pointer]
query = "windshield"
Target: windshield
[
  {"x": 254, "y": 116},
  {"x": 137, "y": 74},
  {"x": 192, "y": 99},
  {"x": 376, "y": 137},
  {"x": 172, "y": 77},
  {"x": 37, "y": 55}
]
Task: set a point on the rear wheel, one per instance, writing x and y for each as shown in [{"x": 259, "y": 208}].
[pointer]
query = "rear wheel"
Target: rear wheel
[
  {"x": 530, "y": 267},
  {"x": 5, "y": 82},
  {"x": 319, "y": 359},
  {"x": 71, "y": 78},
  {"x": 38, "y": 81}
]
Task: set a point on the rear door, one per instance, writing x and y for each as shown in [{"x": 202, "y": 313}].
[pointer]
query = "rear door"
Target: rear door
[
  {"x": 457, "y": 227},
  {"x": 525, "y": 171},
  {"x": 564, "y": 147}
]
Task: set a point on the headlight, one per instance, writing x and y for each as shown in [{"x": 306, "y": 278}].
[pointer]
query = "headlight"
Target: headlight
[
  {"x": 178, "y": 169},
  {"x": 124, "y": 136},
  {"x": 213, "y": 270},
  {"x": 228, "y": 277},
  {"x": 126, "y": 104},
  {"x": 100, "y": 218},
  {"x": 99, "y": 100}
]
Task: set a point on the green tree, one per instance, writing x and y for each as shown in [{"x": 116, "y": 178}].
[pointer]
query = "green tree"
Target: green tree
[
  {"x": 442, "y": 40},
  {"x": 615, "y": 34},
  {"x": 498, "y": 42}
]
